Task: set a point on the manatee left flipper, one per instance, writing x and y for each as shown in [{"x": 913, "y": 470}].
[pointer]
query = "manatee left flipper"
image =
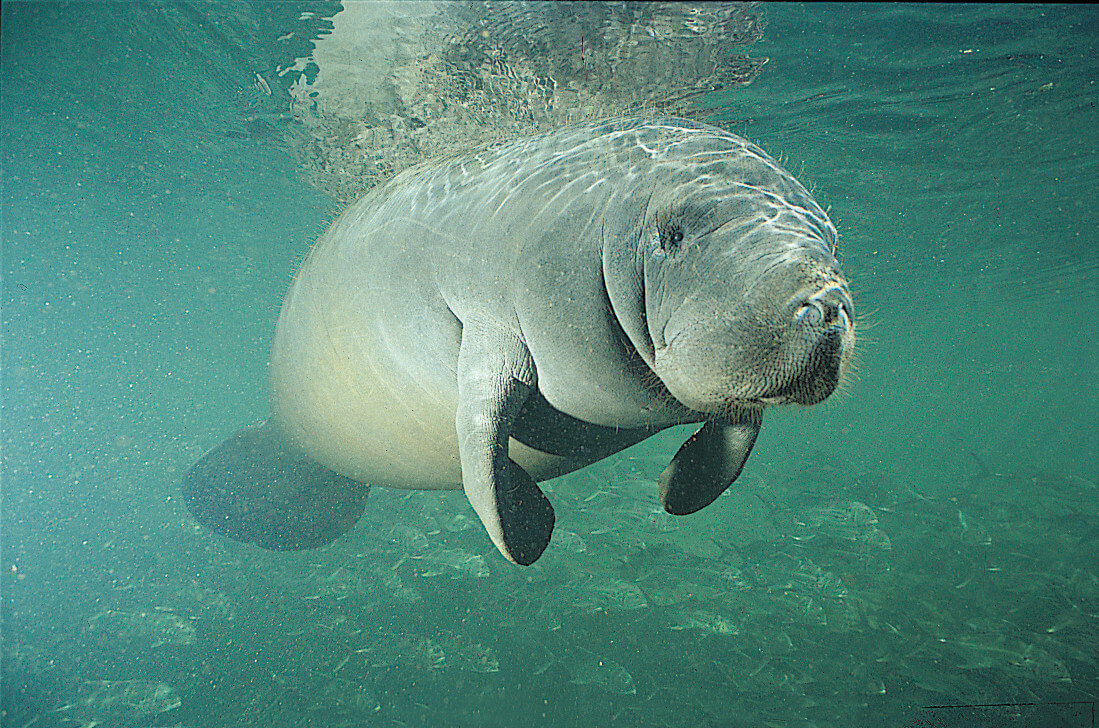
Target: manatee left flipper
[
  {"x": 708, "y": 463},
  {"x": 496, "y": 374},
  {"x": 253, "y": 487}
]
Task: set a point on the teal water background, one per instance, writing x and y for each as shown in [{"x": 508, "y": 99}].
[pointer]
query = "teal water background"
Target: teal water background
[{"x": 149, "y": 235}]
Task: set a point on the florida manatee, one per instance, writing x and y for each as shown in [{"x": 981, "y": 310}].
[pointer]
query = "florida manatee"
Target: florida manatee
[{"x": 490, "y": 321}]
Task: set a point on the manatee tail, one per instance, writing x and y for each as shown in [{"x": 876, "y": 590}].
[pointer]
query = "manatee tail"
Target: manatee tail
[{"x": 254, "y": 488}]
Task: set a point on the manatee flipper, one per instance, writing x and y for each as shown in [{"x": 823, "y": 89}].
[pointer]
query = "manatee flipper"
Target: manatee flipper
[
  {"x": 708, "y": 463},
  {"x": 495, "y": 376},
  {"x": 254, "y": 488}
]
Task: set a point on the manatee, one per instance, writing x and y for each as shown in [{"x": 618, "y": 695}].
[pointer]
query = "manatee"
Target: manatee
[{"x": 491, "y": 321}]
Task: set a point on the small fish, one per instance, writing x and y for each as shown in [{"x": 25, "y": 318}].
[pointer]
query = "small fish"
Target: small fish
[
  {"x": 611, "y": 594},
  {"x": 707, "y": 622},
  {"x": 472, "y": 656},
  {"x": 606, "y": 674},
  {"x": 986, "y": 651},
  {"x": 1069, "y": 618},
  {"x": 569, "y": 541},
  {"x": 734, "y": 578}
]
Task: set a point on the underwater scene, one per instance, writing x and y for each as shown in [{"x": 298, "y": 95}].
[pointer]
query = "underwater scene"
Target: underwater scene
[{"x": 920, "y": 548}]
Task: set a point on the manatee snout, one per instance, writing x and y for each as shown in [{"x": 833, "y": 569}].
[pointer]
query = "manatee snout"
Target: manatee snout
[
  {"x": 788, "y": 340},
  {"x": 824, "y": 321}
]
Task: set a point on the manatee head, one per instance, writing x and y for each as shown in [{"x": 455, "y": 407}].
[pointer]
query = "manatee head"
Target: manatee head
[{"x": 742, "y": 302}]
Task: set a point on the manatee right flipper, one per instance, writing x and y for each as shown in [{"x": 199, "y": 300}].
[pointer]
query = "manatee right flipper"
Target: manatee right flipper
[
  {"x": 709, "y": 461},
  {"x": 496, "y": 374},
  {"x": 254, "y": 488}
]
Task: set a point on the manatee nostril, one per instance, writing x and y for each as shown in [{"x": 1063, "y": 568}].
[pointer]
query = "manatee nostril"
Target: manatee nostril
[{"x": 810, "y": 314}]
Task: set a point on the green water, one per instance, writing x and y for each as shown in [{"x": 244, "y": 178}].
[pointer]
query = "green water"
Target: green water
[{"x": 928, "y": 537}]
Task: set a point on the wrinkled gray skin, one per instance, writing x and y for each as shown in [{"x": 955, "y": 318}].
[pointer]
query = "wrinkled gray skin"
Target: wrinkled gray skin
[{"x": 489, "y": 322}]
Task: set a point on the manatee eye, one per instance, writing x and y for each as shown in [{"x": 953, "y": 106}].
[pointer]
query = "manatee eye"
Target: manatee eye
[{"x": 665, "y": 240}]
